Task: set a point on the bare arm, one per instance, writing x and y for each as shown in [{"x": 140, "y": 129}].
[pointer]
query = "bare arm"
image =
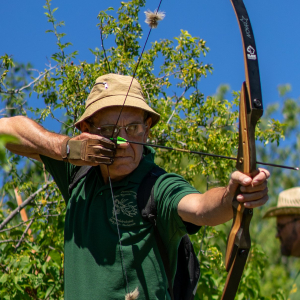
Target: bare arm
[
  {"x": 215, "y": 206},
  {"x": 34, "y": 140},
  {"x": 209, "y": 208}
]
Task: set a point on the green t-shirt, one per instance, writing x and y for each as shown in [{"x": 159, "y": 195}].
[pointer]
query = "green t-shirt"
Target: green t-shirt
[
  {"x": 295, "y": 291},
  {"x": 95, "y": 265}
]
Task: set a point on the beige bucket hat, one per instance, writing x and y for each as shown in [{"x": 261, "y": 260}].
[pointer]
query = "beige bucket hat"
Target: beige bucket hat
[
  {"x": 288, "y": 204},
  {"x": 111, "y": 90}
]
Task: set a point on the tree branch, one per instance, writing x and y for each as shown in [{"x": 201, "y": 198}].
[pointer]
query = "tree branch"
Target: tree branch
[
  {"x": 13, "y": 227},
  {"x": 102, "y": 45},
  {"x": 23, "y": 235},
  {"x": 25, "y": 203},
  {"x": 35, "y": 80},
  {"x": 8, "y": 241},
  {"x": 16, "y": 91}
]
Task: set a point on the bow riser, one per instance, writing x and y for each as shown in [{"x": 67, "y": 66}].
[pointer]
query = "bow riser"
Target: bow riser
[
  {"x": 239, "y": 241},
  {"x": 241, "y": 215}
]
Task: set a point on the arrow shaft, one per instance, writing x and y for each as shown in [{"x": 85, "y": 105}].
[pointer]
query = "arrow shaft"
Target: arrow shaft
[{"x": 209, "y": 154}]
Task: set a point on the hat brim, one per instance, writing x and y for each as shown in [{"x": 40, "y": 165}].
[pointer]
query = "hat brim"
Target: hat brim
[
  {"x": 118, "y": 100},
  {"x": 278, "y": 211}
]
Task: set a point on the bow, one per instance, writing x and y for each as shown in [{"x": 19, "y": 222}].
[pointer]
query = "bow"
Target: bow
[{"x": 251, "y": 109}]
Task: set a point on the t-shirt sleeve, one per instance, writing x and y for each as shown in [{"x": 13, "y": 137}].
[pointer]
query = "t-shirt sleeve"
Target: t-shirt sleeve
[
  {"x": 170, "y": 188},
  {"x": 60, "y": 172}
]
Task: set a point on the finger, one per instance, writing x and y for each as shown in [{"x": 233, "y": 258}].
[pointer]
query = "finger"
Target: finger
[
  {"x": 240, "y": 178},
  {"x": 106, "y": 143},
  {"x": 79, "y": 162},
  {"x": 100, "y": 151},
  {"x": 245, "y": 180},
  {"x": 254, "y": 188},
  {"x": 104, "y": 162},
  {"x": 253, "y": 196},
  {"x": 262, "y": 176},
  {"x": 265, "y": 171},
  {"x": 257, "y": 203},
  {"x": 101, "y": 160}
]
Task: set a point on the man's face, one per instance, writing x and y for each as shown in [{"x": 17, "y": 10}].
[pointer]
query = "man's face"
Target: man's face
[
  {"x": 128, "y": 156},
  {"x": 288, "y": 232}
]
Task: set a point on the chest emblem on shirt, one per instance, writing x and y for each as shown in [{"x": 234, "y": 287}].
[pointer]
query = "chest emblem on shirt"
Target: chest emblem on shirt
[{"x": 126, "y": 208}]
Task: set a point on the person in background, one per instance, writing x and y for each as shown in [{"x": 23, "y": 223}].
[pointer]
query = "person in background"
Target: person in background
[{"x": 287, "y": 213}]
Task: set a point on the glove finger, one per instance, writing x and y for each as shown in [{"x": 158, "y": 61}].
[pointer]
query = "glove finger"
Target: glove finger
[
  {"x": 106, "y": 143},
  {"x": 100, "y": 151},
  {"x": 100, "y": 160}
]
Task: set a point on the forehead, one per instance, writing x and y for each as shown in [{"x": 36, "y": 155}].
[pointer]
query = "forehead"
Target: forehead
[
  {"x": 286, "y": 218},
  {"x": 109, "y": 115}
]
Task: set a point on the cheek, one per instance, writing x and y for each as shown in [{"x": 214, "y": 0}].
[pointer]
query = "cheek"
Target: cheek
[
  {"x": 287, "y": 243},
  {"x": 146, "y": 136},
  {"x": 138, "y": 152}
]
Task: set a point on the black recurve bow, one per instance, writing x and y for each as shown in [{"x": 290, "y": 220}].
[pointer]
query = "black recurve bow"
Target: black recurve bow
[{"x": 251, "y": 109}]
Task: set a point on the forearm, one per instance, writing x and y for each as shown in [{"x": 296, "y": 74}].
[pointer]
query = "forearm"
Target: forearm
[
  {"x": 34, "y": 140},
  {"x": 215, "y": 206},
  {"x": 211, "y": 208}
]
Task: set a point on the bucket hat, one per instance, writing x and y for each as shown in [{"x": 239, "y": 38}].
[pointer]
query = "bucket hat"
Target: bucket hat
[
  {"x": 288, "y": 204},
  {"x": 110, "y": 90}
]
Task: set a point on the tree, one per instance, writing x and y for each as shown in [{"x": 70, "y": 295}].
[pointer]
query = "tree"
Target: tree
[{"x": 32, "y": 264}]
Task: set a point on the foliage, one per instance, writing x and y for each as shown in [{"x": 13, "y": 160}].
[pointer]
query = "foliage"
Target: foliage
[
  {"x": 31, "y": 262},
  {"x": 4, "y": 139}
]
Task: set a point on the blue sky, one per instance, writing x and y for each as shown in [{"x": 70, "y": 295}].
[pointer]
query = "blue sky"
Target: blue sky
[{"x": 275, "y": 24}]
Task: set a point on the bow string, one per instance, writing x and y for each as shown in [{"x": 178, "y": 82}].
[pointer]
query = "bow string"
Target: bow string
[{"x": 152, "y": 19}]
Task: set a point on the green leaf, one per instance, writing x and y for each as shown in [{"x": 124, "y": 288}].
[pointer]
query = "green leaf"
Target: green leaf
[
  {"x": 4, "y": 139},
  {"x": 49, "y": 290},
  {"x": 4, "y": 278},
  {"x": 55, "y": 256}
]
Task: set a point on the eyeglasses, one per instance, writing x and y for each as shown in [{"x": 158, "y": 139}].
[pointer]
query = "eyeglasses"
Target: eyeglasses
[
  {"x": 109, "y": 131},
  {"x": 280, "y": 227}
]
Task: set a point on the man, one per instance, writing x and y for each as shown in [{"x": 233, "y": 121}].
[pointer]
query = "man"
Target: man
[
  {"x": 109, "y": 249},
  {"x": 287, "y": 213}
]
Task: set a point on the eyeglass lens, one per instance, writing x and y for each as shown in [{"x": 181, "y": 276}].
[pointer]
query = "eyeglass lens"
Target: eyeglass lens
[{"x": 131, "y": 129}]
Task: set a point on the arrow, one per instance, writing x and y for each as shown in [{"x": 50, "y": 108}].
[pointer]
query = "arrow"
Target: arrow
[{"x": 121, "y": 140}]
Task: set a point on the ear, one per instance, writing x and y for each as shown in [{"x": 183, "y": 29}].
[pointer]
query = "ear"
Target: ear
[
  {"x": 148, "y": 123},
  {"x": 84, "y": 126}
]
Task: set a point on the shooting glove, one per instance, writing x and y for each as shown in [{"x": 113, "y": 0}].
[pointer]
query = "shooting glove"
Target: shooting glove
[{"x": 89, "y": 150}]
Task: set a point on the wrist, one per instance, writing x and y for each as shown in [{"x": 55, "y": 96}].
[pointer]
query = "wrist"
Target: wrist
[{"x": 65, "y": 149}]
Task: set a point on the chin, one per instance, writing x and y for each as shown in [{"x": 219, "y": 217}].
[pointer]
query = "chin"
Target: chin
[{"x": 285, "y": 251}]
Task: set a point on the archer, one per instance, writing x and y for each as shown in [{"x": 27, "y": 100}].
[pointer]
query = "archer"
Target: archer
[{"x": 109, "y": 248}]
